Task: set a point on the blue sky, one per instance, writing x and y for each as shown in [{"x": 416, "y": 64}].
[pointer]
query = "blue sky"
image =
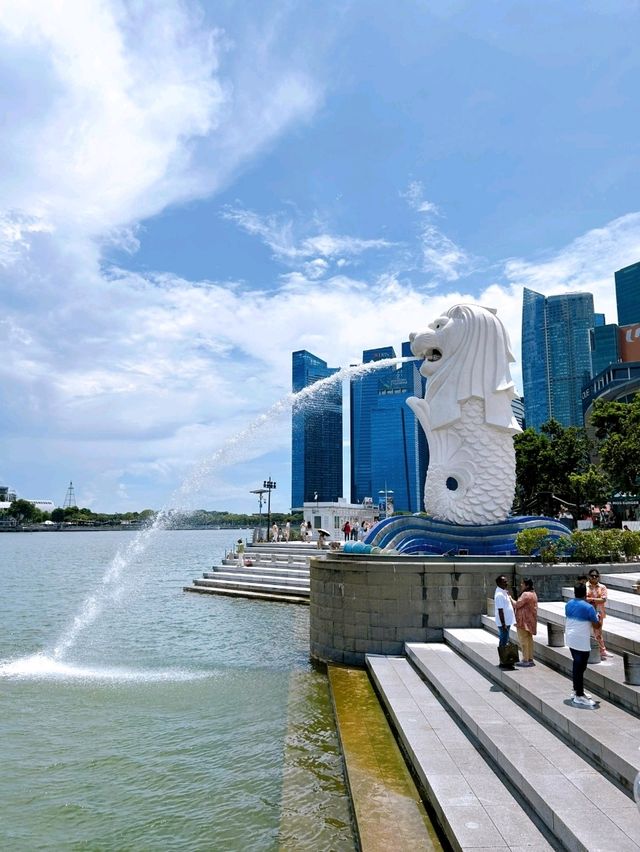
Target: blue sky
[{"x": 191, "y": 191}]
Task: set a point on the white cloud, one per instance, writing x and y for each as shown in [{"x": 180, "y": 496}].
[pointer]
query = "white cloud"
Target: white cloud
[
  {"x": 278, "y": 233},
  {"x": 441, "y": 256}
]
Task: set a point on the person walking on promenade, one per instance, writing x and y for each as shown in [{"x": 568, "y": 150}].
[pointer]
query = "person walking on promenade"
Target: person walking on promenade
[
  {"x": 597, "y": 595},
  {"x": 580, "y": 616},
  {"x": 526, "y": 608},
  {"x": 504, "y": 612},
  {"x": 355, "y": 526},
  {"x": 287, "y": 531},
  {"x": 274, "y": 531},
  {"x": 346, "y": 529}
]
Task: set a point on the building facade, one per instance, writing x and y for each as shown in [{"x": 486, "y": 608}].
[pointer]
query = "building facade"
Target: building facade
[
  {"x": 316, "y": 433},
  {"x": 605, "y": 349},
  {"x": 628, "y": 294},
  {"x": 389, "y": 454},
  {"x": 556, "y": 356}
]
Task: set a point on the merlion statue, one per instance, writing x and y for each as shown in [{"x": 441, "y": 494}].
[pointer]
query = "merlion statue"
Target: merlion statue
[{"x": 467, "y": 417}]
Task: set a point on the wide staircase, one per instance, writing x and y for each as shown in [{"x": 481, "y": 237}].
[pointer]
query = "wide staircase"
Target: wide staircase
[
  {"x": 274, "y": 571},
  {"x": 503, "y": 758}
]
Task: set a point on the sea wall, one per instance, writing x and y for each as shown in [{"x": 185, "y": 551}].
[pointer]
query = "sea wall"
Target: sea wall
[{"x": 362, "y": 604}]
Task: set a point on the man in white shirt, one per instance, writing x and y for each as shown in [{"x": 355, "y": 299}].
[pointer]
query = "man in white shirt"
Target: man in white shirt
[{"x": 505, "y": 615}]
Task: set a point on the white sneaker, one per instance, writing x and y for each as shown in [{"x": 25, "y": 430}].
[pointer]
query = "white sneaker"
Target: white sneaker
[
  {"x": 586, "y": 694},
  {"x": 582, "y": 701}
]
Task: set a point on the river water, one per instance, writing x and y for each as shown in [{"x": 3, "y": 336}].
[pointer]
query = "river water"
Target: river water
[{"x": 135, "y": 716}]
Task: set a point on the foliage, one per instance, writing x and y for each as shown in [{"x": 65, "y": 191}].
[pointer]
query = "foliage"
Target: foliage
[
  {"x": 545, "y": 463},
  {"x": 597, "y": 545},
  {"x": 591, "y": 487},
  {"x": 530, "y": 541},
  {"x": 25, "y": 512},
  {"x": 617, "y": 426}
]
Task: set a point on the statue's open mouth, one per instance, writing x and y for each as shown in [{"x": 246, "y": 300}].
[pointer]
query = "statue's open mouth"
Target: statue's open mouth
[{"x": 433, "y": 355}]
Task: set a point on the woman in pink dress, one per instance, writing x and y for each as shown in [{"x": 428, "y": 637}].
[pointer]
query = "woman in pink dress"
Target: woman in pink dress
[
  {"x": 597, "y": 595},
  {"x": 526, "y": 609}
]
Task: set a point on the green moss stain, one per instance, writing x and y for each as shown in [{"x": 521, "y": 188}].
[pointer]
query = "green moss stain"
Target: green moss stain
[{"x": 388, "y": 809}]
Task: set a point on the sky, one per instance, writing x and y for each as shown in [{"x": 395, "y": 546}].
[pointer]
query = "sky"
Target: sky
[{"x": 190, "y": 191}]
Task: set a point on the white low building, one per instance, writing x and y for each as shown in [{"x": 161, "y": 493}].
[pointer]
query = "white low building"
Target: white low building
[{"x": 333, "y": 516}]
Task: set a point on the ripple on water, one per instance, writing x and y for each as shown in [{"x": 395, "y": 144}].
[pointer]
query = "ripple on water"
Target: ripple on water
[{"x": 43, "y": 667}]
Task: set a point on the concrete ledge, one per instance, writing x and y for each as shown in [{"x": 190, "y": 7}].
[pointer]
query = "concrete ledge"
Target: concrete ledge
[
  {"x": 619, "y": 634},
  {"x": 624, "y": 605},
  {"x": 606, "y": 679},
  {"x": 253, "y": 595}
]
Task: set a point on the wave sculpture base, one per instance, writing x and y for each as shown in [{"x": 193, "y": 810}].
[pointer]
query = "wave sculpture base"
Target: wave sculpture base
[{"x": 424, "y": 535}]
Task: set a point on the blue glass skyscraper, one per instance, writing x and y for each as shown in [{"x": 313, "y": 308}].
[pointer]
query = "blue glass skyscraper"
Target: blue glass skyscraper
[
  {"x": 556, "y": 357},
  {"x": 605, "y": 349},
  {"x": 388, "y": 446},
  {"x": 628, "y": 294},
  {"x": 316, "y": 434}
]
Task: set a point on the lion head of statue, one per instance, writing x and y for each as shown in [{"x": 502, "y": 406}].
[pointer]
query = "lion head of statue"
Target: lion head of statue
[{"x": 467, "y": 354}]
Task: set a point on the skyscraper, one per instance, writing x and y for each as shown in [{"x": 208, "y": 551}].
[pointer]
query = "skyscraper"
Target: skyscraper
[
  {"x": 628, "y": 294},
  {"x": 389, "y": 453},
  {"x": 316, "y": 434},
  {"x": 605, "y": 350},
  {"x": 556, "y": 357}
]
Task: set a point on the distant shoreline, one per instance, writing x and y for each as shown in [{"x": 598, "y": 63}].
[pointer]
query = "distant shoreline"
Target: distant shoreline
[{"x": 129, "y": 528}]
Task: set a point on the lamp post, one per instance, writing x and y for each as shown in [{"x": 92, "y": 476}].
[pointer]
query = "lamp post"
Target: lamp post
[
  {"x": 269, "y": 486},
  {"x": 386, "y": 492},
  {"x": 260, "y": 492}
]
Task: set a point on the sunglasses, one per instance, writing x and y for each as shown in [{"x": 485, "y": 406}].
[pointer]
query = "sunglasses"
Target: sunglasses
[{"x": 594, "y": 576}]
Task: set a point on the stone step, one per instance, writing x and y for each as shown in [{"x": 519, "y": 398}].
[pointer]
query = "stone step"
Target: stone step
[
  {"x": 473, "y": 806},
  {"x": 265, "y": 579},
  {"x": 266, "y": 560},
  {"x": 257, "y": 573},
  {"x": 619, "y": 634},
  {"x": 277, "y": 588},
  {"x": 627, "y": 582},
  {"x": 609, "y": 737},
  {"x": 583, "y": 809},
  {"x": 625, "y": 605},
  {"x": 606, "y": 679},
  {"x": 239, "y": 593}
]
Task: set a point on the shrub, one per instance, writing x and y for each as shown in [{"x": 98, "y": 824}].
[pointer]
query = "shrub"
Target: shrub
[{"x": 530, "y": 541}]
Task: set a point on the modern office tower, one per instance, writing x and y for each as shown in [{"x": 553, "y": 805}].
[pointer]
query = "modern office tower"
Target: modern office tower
[
  {"x": 389, "y": 454},
  {"x": 517, "y": 406},
  {"x": 556, "y": 356},
  {"x": 316, "y": 432},
  {"x": 605, "y": 349},
  {"x": 628, "y": 294}
]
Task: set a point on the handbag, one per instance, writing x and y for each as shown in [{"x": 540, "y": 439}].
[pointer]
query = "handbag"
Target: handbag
[{"x": 509, "y": 654}]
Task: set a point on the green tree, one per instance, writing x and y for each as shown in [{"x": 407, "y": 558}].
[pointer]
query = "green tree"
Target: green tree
[
  {"x": 545, "y": 462},
  {"x": 617, "y": 426},
  {"x": 24, "y": 511},
  {"x": 57, "y": 515}
]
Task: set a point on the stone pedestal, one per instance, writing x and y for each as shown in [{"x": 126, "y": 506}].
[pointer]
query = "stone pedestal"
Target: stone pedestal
[{"x": 373, "y": 605}]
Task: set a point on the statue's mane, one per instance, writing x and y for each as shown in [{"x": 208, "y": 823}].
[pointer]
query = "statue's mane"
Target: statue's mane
[{"x": 479, "y": 367}]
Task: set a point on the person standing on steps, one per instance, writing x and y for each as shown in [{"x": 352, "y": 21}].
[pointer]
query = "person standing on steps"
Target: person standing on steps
[
  {"x": 526, "y": 608},
  {"x": 597, "y": 595},
  {"x": 504, "y": 612},
  {"x": 580, "y": 616},
  {"x": 346, "y": 529}
]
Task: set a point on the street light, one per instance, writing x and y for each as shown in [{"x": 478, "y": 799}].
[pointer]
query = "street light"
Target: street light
[
  {"x": 260, "y": 492},
  {"x": 386, "y": 492},
  {"x": 269, "y": 486}
]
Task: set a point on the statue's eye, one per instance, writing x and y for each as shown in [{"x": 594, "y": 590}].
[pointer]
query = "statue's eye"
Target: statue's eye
[{"x": 437, "y": 325}]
